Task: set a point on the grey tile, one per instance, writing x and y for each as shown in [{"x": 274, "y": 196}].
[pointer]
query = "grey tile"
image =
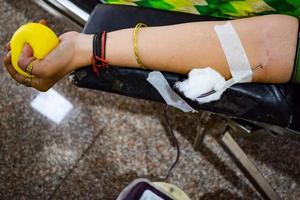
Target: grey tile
[
  {"x": 35, "y": 152},
  {"x": 134, "y": 144}
]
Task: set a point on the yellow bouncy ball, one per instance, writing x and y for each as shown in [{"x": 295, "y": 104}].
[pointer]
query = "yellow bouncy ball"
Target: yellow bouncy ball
[{"x": 41, "y": 39}]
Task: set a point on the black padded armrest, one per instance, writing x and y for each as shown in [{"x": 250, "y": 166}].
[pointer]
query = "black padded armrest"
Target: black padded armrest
[
  {"x": 87, "y": 6},
  {"x": 273, "y": 104}
]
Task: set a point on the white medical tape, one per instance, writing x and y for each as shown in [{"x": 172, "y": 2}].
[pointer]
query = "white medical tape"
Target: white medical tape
[
  {"x": 234, "y": 52},
  {"x": 157, "y": 80}
]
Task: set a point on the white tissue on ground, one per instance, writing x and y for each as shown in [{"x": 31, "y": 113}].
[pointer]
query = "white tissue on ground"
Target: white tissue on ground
[{"x": 201, "y": 81}]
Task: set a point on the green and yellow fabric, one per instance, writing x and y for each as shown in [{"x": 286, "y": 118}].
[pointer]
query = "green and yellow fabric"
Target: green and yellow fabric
[{"x": 220, "y": 8}]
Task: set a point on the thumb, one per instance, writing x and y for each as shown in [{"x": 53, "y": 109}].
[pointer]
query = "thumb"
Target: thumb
[
  {"x": 26, "y": 57},
  {"x": 27, "y": 51}
]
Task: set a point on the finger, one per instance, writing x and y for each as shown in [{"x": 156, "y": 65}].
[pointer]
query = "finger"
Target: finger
[
  {"x": 46, "y": 68},
  {"x": 7, "y": 58},
  {"x": 7, "y": 47},
  {"x": 27, "y": 51},
  {"x": 37, "y": 83},
  {"x": 26, "y": 57},
  {"x": 23, "y": 63},
  {"x": 42, "y": 85},
  {"x": 14, "y": 74},
  {"x": 44, "y": 22}
]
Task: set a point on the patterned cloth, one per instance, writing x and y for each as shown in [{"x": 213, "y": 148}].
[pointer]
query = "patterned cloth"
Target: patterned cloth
[{"x": 220, "y": 8}]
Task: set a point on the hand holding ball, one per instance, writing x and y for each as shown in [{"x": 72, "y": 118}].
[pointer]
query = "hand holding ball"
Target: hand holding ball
[{"x": 41, "y": 39}]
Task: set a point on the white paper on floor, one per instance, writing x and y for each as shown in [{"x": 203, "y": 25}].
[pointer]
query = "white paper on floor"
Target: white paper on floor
[{"x": 52, "y": 105}]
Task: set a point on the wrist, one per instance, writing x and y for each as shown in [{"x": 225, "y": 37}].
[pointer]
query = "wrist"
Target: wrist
[{"x": 83, "y": 45}]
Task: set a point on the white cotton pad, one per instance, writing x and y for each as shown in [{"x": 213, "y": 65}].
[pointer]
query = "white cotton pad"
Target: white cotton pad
[{"x": 201, "y": 81}]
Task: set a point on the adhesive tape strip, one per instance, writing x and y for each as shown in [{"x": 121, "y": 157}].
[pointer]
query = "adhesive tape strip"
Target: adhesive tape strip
[
  {"x": 234, "y": 52},
  {"x": 157, "y": 80}
]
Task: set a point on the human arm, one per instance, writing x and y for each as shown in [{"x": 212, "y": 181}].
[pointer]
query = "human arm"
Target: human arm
[{"x": 268, "y": 40}]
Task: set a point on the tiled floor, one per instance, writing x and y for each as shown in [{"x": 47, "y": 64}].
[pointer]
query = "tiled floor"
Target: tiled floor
[{"x": 107, "y": 140}]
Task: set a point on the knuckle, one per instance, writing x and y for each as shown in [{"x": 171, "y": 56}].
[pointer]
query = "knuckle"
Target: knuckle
[
  {"x": 21, "y": 64},
  {"x": 7, "y": 59},
  {"x": 18, "y": 79}
]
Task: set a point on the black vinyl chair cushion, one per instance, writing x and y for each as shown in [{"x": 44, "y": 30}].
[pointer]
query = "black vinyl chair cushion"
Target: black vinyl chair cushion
[{"x": 270, "y": 103}]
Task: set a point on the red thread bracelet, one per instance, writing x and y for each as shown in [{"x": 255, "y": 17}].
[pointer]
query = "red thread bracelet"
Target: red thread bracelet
[{"x": 98, "y": 58}]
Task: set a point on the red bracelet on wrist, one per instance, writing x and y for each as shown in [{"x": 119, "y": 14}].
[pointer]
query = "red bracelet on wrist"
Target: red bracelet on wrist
[{"x": 98, "y": 58}]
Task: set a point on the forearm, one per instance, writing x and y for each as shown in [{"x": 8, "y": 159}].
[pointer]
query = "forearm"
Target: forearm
[{"x": 268, "y": 40}]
